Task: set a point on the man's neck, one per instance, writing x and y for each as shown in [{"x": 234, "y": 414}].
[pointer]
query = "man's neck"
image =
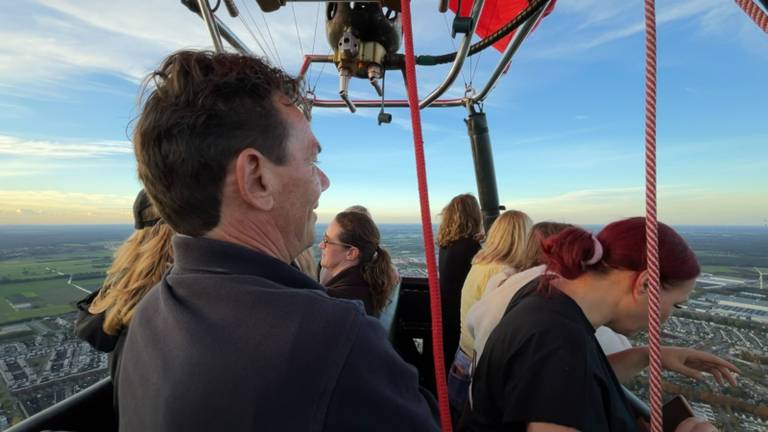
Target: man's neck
[{"x": 258, "y": 235}]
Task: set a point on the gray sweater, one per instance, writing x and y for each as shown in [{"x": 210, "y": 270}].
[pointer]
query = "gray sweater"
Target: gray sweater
[{"x": 235, "y": 340}]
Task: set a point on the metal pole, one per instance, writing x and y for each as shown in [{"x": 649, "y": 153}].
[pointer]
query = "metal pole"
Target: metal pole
[
  {"x": 213, "y": 29},
  {"x": 485, "y": 174},
  {"x": 511, "y": 49},
  {"x": 389, "y": 103},
  {"x": 226, "y": 33},
  {"x": 458, "y": 62},
  {"x": 230, "y": 37}
]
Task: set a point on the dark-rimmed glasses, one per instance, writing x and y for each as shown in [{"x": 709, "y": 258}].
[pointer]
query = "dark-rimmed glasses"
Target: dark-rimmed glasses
[{"x": 326, "y": 241}]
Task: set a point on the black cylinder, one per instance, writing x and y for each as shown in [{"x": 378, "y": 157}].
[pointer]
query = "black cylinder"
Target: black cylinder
[
  {"x": 485, "y": 174},
  {"x": 368, "y": 22}
]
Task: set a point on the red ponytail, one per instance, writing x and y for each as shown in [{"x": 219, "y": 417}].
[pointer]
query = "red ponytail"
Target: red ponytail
[
  {"x": 623, "y": 244},
  {"x": 566, "y": 253}
]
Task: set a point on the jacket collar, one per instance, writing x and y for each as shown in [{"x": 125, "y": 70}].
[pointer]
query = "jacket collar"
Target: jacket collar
[
  {"x": 204, "y": 255},
  {"x": 351, "y": 276}
]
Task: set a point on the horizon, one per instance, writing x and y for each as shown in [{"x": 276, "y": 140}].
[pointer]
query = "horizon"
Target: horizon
[
  {"x": 566, "y": 121},
  {"x": 416, "y": 223}
]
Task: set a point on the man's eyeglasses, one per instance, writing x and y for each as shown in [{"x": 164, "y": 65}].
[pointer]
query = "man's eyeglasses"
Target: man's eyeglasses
[{"x": 326, "y": 241}]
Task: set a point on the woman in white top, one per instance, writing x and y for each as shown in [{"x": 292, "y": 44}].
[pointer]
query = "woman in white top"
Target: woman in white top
[{"x": 485, "y": 314}]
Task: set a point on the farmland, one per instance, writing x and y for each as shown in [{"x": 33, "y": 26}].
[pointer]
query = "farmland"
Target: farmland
[{"x": 48, "y": 274}]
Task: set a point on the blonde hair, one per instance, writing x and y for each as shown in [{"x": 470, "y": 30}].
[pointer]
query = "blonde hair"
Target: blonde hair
[
  {"x": 461, "y": 218},
  {"x": 539, "y": 233},
  {"x": 506, "y": 240},
  {"x": 306, "y": 263},
  {"x": 138, "y": 266}
]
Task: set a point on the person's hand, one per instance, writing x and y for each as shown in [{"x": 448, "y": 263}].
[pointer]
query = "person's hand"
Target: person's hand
[
  {"x": 695, "y": 424},
  {"x": 692, "y": 363},
  {"x": 480, "y": 236}
]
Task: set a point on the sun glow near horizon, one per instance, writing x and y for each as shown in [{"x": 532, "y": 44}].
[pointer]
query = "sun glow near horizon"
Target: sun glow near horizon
[
  {"x": 579, "y": 207},
  {"x": 566, "y": 120}
]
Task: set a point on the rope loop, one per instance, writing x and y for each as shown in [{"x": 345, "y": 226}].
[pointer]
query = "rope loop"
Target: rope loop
[{"x": 754, "y": 12}]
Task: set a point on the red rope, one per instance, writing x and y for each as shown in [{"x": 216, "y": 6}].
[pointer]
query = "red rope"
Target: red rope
[
  {"x": 654, "y": 320},
  {"x": 753, "y": 11},
  {"x": 426, "y": 219}
]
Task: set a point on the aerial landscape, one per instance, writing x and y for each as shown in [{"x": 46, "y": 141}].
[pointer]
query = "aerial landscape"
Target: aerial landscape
[
  {"x": 569, "y": 106},
  {"x": 45, "y": 270}
]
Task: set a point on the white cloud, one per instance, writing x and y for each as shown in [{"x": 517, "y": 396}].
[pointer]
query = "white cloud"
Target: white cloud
[
  {"x": 50, "y": 52},
  {"x": 53, "y": 41},
  {"x": 53, "y": 206},
  {"x": 677, "y": 204},
  {"x": 604, "y": 23},
  {"x": 594, "y": 12},
  {"x": 56, "y": 41},
  {"x": 581, "y": 206},
  {"x": 18, "y": 168},
  {"x": 14, "y": 146}
]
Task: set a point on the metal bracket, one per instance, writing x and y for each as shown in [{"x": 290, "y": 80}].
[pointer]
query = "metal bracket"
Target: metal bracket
[
  {"x": 368, "y": 103},
  {"x": 384, "y": 117},
  {"x": 226, "y": 33},
  {"x": 462, "y": 25},
  {"x": 458, "y": 62},
  {"x": 344, "y": 76},
  {"x": 511, "y": 49}
]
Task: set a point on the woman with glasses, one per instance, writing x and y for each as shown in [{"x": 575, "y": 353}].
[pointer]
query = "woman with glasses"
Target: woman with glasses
[{"x": 357, "y": 267}]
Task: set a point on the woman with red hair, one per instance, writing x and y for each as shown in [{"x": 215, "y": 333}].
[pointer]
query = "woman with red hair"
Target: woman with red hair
[{"x": 543, "y": 369}]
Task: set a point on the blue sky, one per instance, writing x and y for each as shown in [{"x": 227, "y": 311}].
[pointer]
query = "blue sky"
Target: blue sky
[{"x": 566, "y": 120}]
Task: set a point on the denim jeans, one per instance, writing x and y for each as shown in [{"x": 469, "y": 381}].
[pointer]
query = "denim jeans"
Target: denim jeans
[{"x": 459, "y": 379}]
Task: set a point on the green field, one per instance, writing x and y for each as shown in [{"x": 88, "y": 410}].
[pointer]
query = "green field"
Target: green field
[
  {"x": 41, "y": 267},
  {"x": 716, "y": 269},
  {"x": 50, "y": 296},
  {"x": 734, "y": 271},
  {"x": 55, "y": 297}
]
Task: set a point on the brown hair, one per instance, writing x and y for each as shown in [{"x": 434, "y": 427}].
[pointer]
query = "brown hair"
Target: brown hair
[
  {"x": 138, "y": 266},
  {"x": 460, "y": 218},
  {"x": 358, "y": 230},
  {"x": 205, "y": 109},
  {"x": 506, "y": 240},
  {"x": 539, "y": 233}
]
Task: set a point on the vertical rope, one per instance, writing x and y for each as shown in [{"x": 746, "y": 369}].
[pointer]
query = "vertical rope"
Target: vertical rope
[
  {"x": 654, "y": 324},
  {"x": 426, "y": 220},
  {"x": 753, "y": 11}
]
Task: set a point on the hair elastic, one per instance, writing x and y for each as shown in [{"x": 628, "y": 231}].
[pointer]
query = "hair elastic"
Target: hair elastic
[{"x": 597, "y": 255}]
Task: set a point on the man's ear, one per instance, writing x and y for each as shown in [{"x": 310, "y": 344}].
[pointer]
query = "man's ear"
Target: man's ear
[
  {"x": 256, "y": 180},
  {"x": 640, "y": 285}
]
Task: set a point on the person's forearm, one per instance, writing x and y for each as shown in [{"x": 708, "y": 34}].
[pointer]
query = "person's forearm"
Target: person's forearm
[{"x": 628, "y": 363}]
